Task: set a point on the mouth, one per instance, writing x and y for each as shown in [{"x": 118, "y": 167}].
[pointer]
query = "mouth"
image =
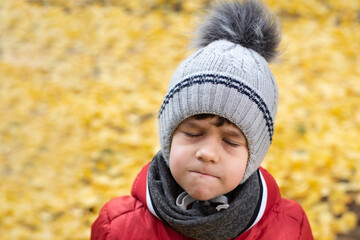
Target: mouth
[{"x": 205, "y": 174}]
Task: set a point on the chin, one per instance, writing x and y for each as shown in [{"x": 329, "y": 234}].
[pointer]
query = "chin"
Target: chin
[{"x": 202, "y": 197}]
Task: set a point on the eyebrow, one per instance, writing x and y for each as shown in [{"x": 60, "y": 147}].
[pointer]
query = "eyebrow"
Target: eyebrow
[{"x": 191, "y": 123}]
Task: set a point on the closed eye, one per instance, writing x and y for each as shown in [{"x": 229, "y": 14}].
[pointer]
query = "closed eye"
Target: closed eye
[
  {"x": 231, "y": 143},
  {"x": 192, "y": 135}
]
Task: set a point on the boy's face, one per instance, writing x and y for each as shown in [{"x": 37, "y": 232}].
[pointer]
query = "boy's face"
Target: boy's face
[{"x": 208, "y": 159}]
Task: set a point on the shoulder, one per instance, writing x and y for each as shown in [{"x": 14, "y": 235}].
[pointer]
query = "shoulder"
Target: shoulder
[
  {"x": 289, "y": 214},
  {"x": 128, "y": 217},
  {"x": 290, "y": 219},
  {"x": 283, "y": 218},
  {"x": 286, "y": 220},
  {"x": 116, "y": 210},
  {"x": 122, "y": 206},
  {"x": 122, "y": 218}
]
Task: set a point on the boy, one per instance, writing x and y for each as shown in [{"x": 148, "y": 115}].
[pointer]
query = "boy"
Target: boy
[{"x": 215, "y": 126}]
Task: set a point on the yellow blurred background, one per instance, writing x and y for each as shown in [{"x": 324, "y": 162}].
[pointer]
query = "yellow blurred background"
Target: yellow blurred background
[{"x": 81, "y": 83}]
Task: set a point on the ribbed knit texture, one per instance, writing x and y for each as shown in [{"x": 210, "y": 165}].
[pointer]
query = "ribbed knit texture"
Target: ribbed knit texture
[{"x": 227, "y": 80}]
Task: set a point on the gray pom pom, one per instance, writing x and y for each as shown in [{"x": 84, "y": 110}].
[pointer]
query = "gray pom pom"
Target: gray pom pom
[{"x": 248, "y": 23}]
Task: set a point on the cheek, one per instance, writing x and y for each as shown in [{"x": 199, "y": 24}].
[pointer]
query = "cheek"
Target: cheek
[
  {"x": 236, "y": 171},
  {"x": 175, "y": 151},
  {"x": 180, "y": 150},
  {"x": 175, "y": 159},
  {"x": 177, "y": 166}
]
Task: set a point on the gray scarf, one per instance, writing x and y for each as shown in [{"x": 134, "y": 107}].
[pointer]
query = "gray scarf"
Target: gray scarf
[{"x": 203, "y": 221}]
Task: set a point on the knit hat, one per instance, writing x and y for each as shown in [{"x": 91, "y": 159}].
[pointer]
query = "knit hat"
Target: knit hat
[{"x": 228, "y": 76}]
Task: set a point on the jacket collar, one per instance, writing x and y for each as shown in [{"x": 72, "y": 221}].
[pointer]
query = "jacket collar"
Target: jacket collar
[{"x": 138, "y": 189}]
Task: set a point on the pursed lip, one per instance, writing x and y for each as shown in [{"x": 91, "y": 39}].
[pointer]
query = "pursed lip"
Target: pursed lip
[{"x": 203, "y": 173}]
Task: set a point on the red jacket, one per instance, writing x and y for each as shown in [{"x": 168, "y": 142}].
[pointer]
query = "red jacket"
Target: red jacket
[{"x": 129, "y": 218}]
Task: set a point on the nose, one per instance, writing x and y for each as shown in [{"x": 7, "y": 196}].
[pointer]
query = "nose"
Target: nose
[{"x": 208, "y": 151}]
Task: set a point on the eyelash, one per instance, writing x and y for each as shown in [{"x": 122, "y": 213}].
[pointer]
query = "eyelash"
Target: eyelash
[
  {"x": 192, "y": 135},
  {"x": 195, "y": 135},
  {"x": 232, "y": 144}
]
